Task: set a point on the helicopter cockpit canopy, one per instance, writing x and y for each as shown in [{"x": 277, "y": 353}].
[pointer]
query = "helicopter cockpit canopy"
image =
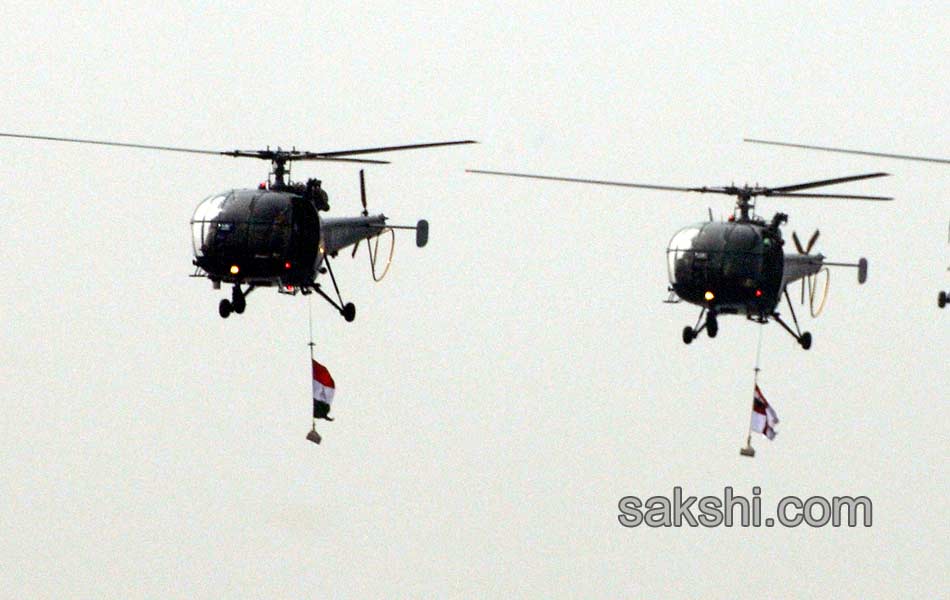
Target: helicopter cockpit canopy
[
  {"x": 729, "y": 258},
  {"x": 680, "y": 245},
  {"x": 242, "y": 224},
  {"x": 204, "y": 215}
]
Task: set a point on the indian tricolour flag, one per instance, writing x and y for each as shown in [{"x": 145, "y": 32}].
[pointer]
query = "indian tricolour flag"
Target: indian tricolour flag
[{"x": 323, "y": 390}]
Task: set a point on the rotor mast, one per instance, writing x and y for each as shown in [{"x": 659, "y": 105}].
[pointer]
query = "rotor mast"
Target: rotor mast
[
  {"x": 744, "y": 203},
  {"x": 279, "y": 170}
]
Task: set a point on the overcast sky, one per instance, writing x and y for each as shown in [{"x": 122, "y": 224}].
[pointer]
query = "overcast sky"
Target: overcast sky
[{"x": 505, "y": 386}]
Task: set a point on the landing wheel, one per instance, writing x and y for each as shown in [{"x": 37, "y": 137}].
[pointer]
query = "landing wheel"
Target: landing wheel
[
  {"x": 224, "y": 309},
  {"x": 712, "y": 326},
  {"x": 688, "y": 334},
  {"x": 349, "y": 312},
  {"x": 942, "y": 299},
  {"x": 805, "y": 340}
]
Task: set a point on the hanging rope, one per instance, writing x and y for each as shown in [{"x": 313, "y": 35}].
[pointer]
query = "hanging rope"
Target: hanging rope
[
  {"x": 310, "y": 323},
  {"x": 748, "y": 450},
  {"x": 312, "y": 436},
  {"x": 758, "y": 355}
]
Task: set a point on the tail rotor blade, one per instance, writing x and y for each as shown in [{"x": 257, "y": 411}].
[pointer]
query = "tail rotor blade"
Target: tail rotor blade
[
  {"x": 356, "y": 246},
  {"x": 811, "y": 242},
  {"x": 363, "y": 195},
  {"x": 798, "y": 243}
]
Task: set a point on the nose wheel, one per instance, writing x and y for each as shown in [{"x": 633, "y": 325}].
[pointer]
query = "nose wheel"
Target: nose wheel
[
  {"x": 711, "y": 325},
  {"x": 942, "y": 299},
  {"x": 688, "y": 335},
  {"x": 236, "y": 304}
]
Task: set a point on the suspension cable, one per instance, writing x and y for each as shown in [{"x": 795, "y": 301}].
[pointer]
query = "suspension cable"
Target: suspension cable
[
  {"x": 758, "y": 358},
  {"x": 310, "y": 323},
  {"x": 758, "y": 355}
]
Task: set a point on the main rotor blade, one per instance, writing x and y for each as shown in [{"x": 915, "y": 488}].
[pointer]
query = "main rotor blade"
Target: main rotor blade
[
  {"x": 121, "y": 144},
  {"x": 944, "y": 161},
  {"x": 824, "y": 182},
  {"x": 289, "y": 155},
  {"x": 831, "y": 196},
  {"x": 598, "y": 182},
  {"x": 306, "y": 155},
  {"x": 364, "y": 161}
]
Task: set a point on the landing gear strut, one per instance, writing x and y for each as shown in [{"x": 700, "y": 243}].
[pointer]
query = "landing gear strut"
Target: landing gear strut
[
  {"x": 348, "y": 310},
  {"x": 804, "y": 339},
  {"x": 711, "y": 325},
  {"x": 237, "y": 303}
]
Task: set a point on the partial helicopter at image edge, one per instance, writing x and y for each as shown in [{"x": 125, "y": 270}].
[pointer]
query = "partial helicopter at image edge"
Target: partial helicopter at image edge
[
  {"x": 273, "y": 235},
  {"x": 739, "y": 267},
  {"x": 943, "y": 296}
]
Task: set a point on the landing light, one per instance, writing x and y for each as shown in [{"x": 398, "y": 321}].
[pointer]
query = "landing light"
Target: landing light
[
  {"x": 709, "y": 296},
  {"x": 235, "y": 269}
]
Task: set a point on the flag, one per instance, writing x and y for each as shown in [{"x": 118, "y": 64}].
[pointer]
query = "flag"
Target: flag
[
  {"x": 764, "y": 418},
  {"x": 323, "y": 390}
]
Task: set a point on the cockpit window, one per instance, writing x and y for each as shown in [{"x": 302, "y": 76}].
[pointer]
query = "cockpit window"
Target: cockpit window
[
  {"x": 205, "y": 213},
  {"x": 210, "y": 207},
  {"x": 681, "y": 243}
]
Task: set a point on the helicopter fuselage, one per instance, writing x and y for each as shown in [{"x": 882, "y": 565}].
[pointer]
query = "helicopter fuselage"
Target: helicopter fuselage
[
  {"x": 265, "y": 237},
  {"x": 734, "y": 267}
]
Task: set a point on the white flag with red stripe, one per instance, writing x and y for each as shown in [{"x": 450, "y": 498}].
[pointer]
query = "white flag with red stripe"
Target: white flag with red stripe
[
  {"x": 764, "y": 418},
  {"x": 323, "y": 385}
]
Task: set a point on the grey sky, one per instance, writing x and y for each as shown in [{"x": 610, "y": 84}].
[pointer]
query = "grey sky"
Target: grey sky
[{"x": 505, "y": 386}]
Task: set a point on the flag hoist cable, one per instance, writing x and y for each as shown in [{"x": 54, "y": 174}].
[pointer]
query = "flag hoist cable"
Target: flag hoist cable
[
  {"x": 313, "y": 436},
  {"x": 748, "y": 451},
  {"x": 310, "y": 323},
  {"x": 758, "y": 356}
]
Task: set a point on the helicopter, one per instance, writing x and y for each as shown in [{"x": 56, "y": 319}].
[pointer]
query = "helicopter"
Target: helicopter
[
  {"x": 738, "y": 266},
  {"x": 273, "y": 235},
  {"x": 943, "y": 296}
]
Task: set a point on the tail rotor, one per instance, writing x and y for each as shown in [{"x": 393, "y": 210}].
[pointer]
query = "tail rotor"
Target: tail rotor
[
  {"x": 811, "y": 242},
  {"x": 812, "y": 280},
  {"x": 365, "y": 209}
]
